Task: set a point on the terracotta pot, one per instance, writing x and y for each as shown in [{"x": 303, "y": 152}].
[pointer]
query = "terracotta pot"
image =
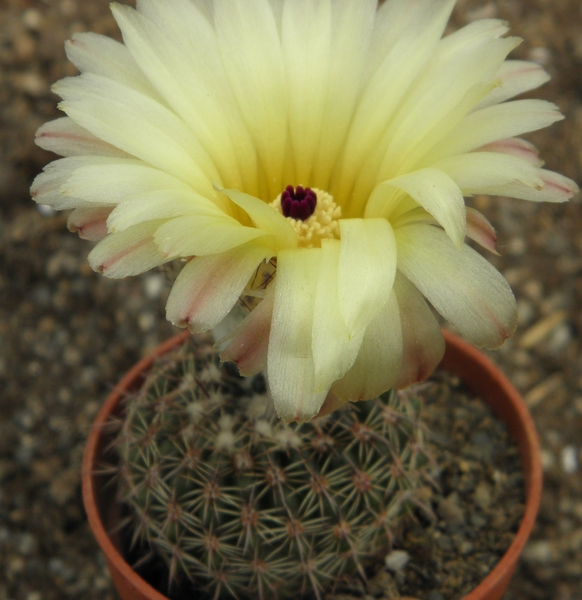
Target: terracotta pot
[{"x": 473, "y": 367}]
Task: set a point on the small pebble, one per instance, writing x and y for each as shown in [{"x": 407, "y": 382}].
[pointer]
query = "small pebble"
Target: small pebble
[
  {"x": 16, "y": 565},
  {"x": 147, "y": 321},
  {"x": 482, "y": 495},
  {"x": 445, "y": 543},
  {"x": 396, "y": 560},
  {"x": 45, "y": 210},
  {"x": 154, "y": 285},
  {"x": 382, "y": 584},
  {"x": 559, "y": 339},
  {"x": 569, "y": 460},
  {"x": 478, "y": 521},
  {"x": 26, "y": 543},
  {"x": 32, "y": 19},
  {"x": 450, "y": 511},
  {"x": 466, "y": 548},
  {"x": 540, "y": 551}
]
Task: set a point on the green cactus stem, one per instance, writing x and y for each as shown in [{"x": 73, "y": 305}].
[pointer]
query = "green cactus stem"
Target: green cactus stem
[{"x": 239, "y": 504}]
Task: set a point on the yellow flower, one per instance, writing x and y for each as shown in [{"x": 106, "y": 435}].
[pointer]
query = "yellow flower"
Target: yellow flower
[{"x": 311, "y": 156}]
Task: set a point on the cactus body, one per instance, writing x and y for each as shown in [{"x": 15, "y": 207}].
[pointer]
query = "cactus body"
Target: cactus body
[{"x": 243, "y": 505}]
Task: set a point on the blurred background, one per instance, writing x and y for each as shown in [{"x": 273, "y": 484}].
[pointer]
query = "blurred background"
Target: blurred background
[{"x": 67, "y": 335}]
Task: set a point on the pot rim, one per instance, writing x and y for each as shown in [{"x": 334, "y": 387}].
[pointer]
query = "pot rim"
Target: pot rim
[{"x": 461, "y": 359}]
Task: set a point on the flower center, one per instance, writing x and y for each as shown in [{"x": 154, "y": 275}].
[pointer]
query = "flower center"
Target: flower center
[
  {"x": 312, "y": 213},
  {"x": 298, "y": 203}
]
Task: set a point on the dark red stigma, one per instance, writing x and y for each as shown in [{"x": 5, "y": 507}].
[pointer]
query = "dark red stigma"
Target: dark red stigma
[{"x": 298, "y": 203}]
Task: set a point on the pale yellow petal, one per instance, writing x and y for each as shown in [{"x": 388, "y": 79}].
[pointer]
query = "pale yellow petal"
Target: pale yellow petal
[
  {"x": 63, "y": 136},
  {"x": 203, "y": 235},
  {"x": 555, "y": 188},
  {"x": 436, "y": 192},
  {"x": 423, "y": 344},
  {"x": 265, "y": 218},
  {"x": 464, "y": 288},
  {"x": 480, "y": 230},
  {"x": 250, "y": 340},
  {"x": 166, "y": 67},
  {"x": 516, "y": 77},
  {"x": 379, "y": 360},
  {"x": 209, "y": 286},
  {"x": 47, "y": 187},
  {"x": 100, "y": 55},
  {"x": 306, "y": 46},
  {"x": 113, "y": 180},
  {"x": 334, "y": 348},
  {"x": 352, "y": 24},
  {"x": 477, "y": 170},
  {"x": 367, "y": 267},
  {"x": 494, "y": 123},
  {"x": 255, "y": 68},
  {"x": 404, "y": 37},
  {"x": 290, "y": 361},
  {"x": 129, "y": 252},
  {"x": 137, "y": 124},
  {"x": 191, "y": 42},
  {"x": 515, "y": 147},
  {"x": 159, "y": 204},
  {"x": 90, "y": 223}
]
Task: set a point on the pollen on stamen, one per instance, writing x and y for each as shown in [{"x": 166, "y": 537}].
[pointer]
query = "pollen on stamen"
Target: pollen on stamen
[{"x": 312, "y": 213}]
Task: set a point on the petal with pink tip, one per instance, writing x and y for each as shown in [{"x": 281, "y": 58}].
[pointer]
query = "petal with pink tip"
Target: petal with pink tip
[
  {"x": 290, "y": 362},
  {"x": 475, "y": 171},
  {"x": 459, "y": 283},
  {"x": 423, "y": 344},
  {"x": 480, "y": 230},
  {"x": 47, "y": 187},
  {"x": 208, "y": 286},
  {"x": 130, "y": 120},
  {"x": 113, "y": 180},
  {"x": 516, "y": 77},
  {"x": 515, "y": 147},
  {"x": 556, "y": 188},
  {"x": 63, "y": 136},
  {"x": 90, "y": 223},
  {"x": 250, "y": 340},
  {"x": 495, "y": 123},
  {"x": 129, "y": 252},
  {"x": 379, "y": 360}
]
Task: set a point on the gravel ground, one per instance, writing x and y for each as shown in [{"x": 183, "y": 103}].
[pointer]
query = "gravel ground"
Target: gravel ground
[{"x": 67, "y": 334}]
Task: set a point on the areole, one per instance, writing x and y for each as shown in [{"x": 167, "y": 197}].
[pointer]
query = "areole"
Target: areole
[{"x": 461, "y": 359}]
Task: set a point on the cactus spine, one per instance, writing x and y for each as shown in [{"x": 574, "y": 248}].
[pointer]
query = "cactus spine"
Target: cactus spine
[{"x": 239, "y": 504}]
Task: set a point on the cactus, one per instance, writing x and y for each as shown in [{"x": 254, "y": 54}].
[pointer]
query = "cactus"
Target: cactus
[{"x": 240, "y": 504}]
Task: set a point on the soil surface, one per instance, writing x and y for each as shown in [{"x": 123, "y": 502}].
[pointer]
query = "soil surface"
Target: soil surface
[{"x": 67, "y": 334}]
